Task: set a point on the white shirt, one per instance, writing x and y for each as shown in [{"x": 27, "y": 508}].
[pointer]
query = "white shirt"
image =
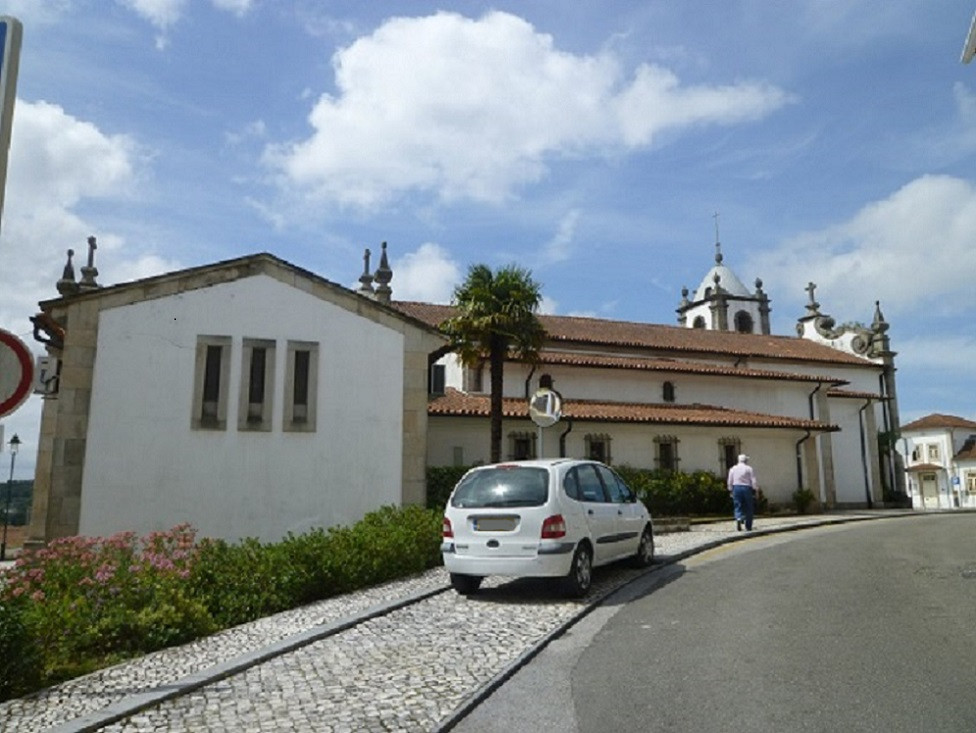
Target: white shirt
[{"x": 741, "y": 474}]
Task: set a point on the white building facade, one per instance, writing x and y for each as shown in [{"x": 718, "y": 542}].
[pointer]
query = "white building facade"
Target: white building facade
[
  {"x": 249, "y": 398},
  {"x": 939, "y": 453}
]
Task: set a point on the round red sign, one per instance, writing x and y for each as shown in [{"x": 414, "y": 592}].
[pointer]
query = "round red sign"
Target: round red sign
[{"x": 16, "y": 372}]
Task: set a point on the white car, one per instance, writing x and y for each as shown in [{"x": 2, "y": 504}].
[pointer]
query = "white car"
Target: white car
[{"x": 545, "y": 518}]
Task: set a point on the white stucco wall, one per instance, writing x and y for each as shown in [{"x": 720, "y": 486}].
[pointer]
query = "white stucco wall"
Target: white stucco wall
[
  {"x": 146, "y": 469},
  {"x": 772, "y": 452}
]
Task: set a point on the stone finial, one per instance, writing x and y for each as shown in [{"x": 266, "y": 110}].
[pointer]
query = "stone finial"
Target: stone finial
[
  {"x": 759, "y": 290},
  {"x": 879, "y": 324},
  {"x": 366, "y": 279},
  {"x": 383, "y": 277},
  {"x": 67, "y": 285},
  {"x": 684, "y": 296},
  {"x": 89, "y": 272}
]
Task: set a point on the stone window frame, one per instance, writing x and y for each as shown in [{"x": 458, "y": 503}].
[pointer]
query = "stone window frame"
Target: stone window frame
[
  {"x": 256, "y": 416},
  {"x": 293, "y": 421},
  {"x": 521, "y": 437},
  {"x": 724, "y": 443},
  {"x": 666, "y": 440},
  {"x": 598, "y": 439},
  {"x": 970, "y": 481},
  {"x": 211, "y": 414},
  {"x": 933, "y": 452}
]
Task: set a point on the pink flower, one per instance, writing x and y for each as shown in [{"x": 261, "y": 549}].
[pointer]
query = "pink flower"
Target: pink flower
[{"x": 37, "y": 596}]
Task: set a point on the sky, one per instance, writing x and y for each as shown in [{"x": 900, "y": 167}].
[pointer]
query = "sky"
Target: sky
[{"x": 590, "y": 142}]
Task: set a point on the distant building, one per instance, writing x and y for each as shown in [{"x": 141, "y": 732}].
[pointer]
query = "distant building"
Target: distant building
[{"x": 940, "y": 461}]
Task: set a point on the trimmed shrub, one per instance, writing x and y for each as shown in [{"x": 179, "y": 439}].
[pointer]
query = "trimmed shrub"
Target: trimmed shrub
[
  {"x": 674, "y": 493},
  {"x": 441, "y": 481}
]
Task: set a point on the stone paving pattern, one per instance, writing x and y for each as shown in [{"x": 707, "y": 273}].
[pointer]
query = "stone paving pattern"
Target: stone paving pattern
[{"x": 409, "y": 670}]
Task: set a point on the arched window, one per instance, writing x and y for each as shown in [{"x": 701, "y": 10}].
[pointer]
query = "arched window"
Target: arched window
[
  {"x": 667, "y": 392},
  {"x": 743, "y": 322},
  {"x": 699, "y": 322}
]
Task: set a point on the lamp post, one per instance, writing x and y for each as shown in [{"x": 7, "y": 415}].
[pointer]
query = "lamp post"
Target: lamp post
[{"x": 14, "y": 445}]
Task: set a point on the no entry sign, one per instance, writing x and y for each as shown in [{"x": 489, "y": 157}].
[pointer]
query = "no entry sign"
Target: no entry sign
[{"x": 16, "y": 372}]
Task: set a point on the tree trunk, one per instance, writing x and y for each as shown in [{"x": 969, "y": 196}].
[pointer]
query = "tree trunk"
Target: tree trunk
[{"x": 496, "y": 363}]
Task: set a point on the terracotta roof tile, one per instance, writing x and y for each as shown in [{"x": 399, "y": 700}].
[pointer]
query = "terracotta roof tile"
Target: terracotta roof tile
[
  {"x": 939, "y": 421},
  {"x": 854, "y": 394},
  {"x": 925, "y": 467},
  {"x": 605, "y": 333},
  {"x": 675, "y": 366},
  {"x": 454, "y": 403}
]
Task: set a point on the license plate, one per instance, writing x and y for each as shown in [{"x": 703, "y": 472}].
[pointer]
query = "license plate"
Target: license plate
[{"x": 494, "y": 524}]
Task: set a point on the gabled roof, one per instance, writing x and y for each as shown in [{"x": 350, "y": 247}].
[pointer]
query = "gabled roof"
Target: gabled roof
[
  {"x": 454, "y": 403},
  {"x": 605, "y": 333},
  {"x": 203, "y": 276},
  {"x": 936, "y": 421}
]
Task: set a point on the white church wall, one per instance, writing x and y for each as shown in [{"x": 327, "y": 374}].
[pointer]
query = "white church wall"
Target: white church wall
[{"x": 146, "y": 469}]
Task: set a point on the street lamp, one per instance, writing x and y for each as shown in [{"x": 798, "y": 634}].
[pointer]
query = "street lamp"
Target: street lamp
[{"x": 14, "y": 446}]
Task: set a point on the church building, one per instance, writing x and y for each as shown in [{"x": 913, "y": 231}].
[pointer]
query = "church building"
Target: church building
[{"x": 251, "y": 397}]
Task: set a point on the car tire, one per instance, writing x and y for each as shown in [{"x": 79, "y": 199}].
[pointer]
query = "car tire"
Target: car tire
[
  {"x": 465, "y": 584},
  {"x": 580, "y": 577},
  {"x": 645, "y": 550}
]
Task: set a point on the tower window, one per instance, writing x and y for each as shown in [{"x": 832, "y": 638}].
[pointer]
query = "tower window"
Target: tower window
[{"x": 743, "y": 322}]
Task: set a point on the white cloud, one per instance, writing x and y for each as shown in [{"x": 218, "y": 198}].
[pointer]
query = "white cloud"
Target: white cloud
[
  {"x": 57, "y": 162},
  {"x": 161, "y": 13},
  {"x": 912, "y": 248},
  {"x": 428, "y": 275},
  {"x": 943, "y": 354},
  {"x": 237, "y": 7},
  {"x": 559, "y": 248},
  {"x": 476, "y": 109}
]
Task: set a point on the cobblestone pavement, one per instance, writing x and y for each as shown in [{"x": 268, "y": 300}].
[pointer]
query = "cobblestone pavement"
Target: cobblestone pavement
[{"x": 418, "y": 658}]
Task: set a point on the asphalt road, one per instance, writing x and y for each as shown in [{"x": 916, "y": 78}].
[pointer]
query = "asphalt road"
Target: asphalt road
[{"x": 867, "y": 627}]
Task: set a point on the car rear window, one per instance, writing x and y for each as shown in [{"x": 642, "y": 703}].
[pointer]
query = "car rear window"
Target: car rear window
[{"x": 502, "y": 487}]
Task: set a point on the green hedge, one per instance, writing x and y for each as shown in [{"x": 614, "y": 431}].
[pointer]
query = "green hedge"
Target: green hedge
[
  {"x": 84, "y": 603},
  {"x": 673, "y": 493},
  {"x": 665, "y": 493}
]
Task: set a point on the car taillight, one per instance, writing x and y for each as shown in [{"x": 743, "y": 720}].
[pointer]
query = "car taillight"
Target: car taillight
[
  {"x": 448, "y": 531},
  {"x": 554, "y": 527}
]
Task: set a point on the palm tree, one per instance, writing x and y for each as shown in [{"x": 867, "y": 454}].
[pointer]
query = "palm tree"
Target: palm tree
[{"x": 496, "y": 316}]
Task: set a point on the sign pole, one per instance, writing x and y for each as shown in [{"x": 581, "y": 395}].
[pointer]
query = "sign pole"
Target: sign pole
[{"x": 11, "y": 34}]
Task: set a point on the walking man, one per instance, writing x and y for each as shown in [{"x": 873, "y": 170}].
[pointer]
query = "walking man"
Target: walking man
[{"x": 743, "y": 487}]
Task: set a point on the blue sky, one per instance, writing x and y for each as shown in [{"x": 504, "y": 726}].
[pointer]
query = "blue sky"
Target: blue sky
[{"x": 589, "y": 141}]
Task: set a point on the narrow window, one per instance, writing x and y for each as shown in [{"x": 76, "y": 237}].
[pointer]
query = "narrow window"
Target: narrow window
[
  {"x": 257, "y": 385},
  {"x": 437, "y": 379},
  {"x": 521, "y": 446},
  {"x": 729, "y": 449},
  {"x": 300, "y": 392},
  {"x": 666, "y": 452},
  {"x": 667, "y": 392},
  {"x": 210, "y": 383},
  {"x": 699, "y": 322},
  {"x": 301, "y": 386},
  {"x": 597, "y": 447}
]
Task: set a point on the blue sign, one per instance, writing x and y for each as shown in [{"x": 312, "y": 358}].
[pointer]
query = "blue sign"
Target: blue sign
[{"x": 955, "y": 480}]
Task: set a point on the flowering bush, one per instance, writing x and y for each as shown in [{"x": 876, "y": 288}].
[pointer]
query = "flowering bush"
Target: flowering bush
[
  {"x": 83, "y": 603},
  {"x": 88, "y": 601}
]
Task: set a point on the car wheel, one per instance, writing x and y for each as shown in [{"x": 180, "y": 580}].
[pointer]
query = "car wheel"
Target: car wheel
[
  {"x": 645, "y": 549},
  {"x": 465, "y": 584},
  {"x": 580, "y": 576}
]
